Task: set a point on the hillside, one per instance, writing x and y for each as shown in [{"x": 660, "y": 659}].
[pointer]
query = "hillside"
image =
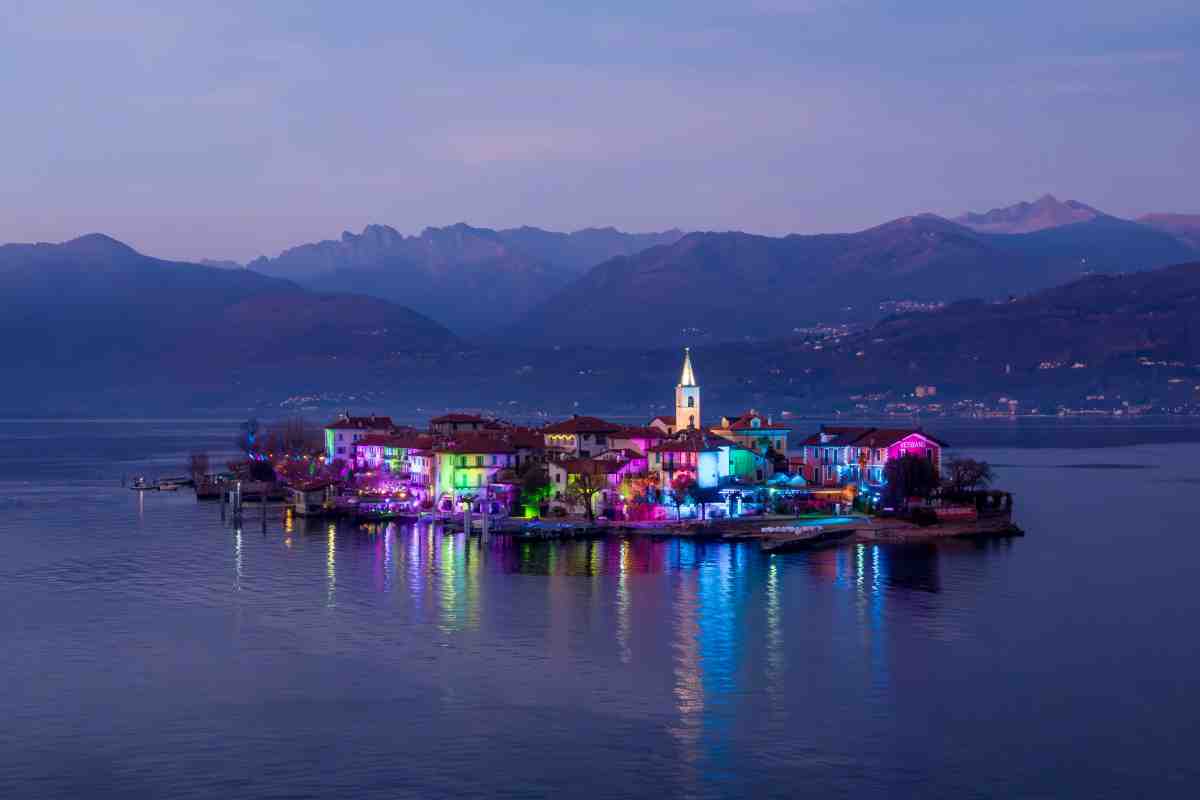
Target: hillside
[
  {"x": 1185, "y": 227},
  {"x": 710, "y": 287},
  {"x": 471, "y": 279},
  {"x": 1129, "y": 334},
  {"x": 93, "y": 310}
]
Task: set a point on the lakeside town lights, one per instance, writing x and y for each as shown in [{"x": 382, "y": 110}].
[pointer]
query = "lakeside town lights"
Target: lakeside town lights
[{"x": 675, "y": 464}]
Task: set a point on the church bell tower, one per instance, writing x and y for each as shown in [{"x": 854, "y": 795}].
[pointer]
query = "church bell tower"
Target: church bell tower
[{"x": 687, "y": 397}]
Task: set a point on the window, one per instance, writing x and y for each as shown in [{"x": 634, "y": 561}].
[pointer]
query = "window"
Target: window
[
  {"x": 479, "y": 461},
  {"x": 691, "y": 402}
]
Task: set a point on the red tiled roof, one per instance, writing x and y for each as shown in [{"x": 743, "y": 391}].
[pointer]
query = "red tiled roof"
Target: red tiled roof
[
  {"x": 526, "y": 438},
  {"x": 624, "y": 452},
  {"x": 360, "y": 423},
  {"x": 667, "y": 418},
  {"x": 886, "y": 437},
  {"x": 746, "y": 422},
  {"x": 582, "y": 425},
  {"x": 864, "y": 436},
  {"x": 591, "y": 466},
  {"x": 639, "y": 433},
  {"x": 692, "y": 443},
  {"x": 407, "y": 440},
  {"x": 475, "y": 445}
]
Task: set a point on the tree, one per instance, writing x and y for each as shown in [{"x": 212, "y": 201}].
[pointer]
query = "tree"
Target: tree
[
  {"x": 640, "y": 490},
  {"x": 247, "y": 438},
  {"x": 583, "y": 486},
  {"x": 909, "y": 476},
  {"x": 681, "y": 489},
  {"x": 967, "y": 474},
  {"x": 534, "y": 483}
]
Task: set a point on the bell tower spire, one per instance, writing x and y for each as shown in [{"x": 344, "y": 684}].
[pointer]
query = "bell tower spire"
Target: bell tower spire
[{"x": 687, "y": 396}]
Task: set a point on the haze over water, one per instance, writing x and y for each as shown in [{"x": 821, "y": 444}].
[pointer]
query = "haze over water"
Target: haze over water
[{"x": 151, "y": 651}]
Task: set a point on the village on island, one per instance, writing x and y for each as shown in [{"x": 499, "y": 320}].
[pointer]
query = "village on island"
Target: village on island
[{"x": 735, "y": 475}]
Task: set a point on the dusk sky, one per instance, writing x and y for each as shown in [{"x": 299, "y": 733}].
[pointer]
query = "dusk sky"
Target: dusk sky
[{"x": 229, "y": 130}]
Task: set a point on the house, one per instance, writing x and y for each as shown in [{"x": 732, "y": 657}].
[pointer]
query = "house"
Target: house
[
  {"x": 578, "y": 437},
  {"x": 691, "y": 454},
  {"x": 664, "y": 423},
  {"x": 834, "y": 455},
  {"x": 637, "y": 439},
  {"x": 529, "y": 443},
  {"x": 400, "y": 456},
  {"x": 344, "y": 432},
  {"x": 452, "y": 424},
  {"x": 755, "y": 432},
  {"x": 470, "y": 466},
  {"x": 602, "y": 476}
]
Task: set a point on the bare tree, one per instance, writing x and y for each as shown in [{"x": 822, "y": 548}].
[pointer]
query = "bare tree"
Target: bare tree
[{"x": 967, "y": 474}]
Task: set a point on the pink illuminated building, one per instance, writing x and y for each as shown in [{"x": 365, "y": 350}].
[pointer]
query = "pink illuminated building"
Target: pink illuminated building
[{"x": 835, "y": 456}]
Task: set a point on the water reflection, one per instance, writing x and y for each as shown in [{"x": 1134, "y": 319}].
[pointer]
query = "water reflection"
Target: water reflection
[
  {"x": 331, "y": 565},
  {"x": 731, "y": 623},
  {"x": 689, "y": 684},
  {"x": 624, "y": 603},
  {"x": 237, "y": 559}
]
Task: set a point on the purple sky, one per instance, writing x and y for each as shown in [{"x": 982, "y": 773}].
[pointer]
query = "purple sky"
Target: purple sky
[{"x": 211, "y": 130}]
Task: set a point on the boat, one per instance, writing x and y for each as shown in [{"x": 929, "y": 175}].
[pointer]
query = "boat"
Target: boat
[
  {"x": 801, "y": 537},
  {"x": 143, "y": 485},
  {"x": 171, "y": 484}
]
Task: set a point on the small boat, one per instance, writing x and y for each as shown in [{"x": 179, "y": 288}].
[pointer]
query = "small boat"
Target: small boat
[
  {"x": 804, "y": 539},
  {"x": 171, "y": 484},
  {"x": 143, "y": 485}
]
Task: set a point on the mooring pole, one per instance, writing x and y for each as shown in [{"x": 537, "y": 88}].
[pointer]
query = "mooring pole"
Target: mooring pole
[{"x": 486, "y": 517}]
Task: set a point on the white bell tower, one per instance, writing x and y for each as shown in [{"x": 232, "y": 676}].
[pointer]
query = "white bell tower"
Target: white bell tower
[{"x": 687, "y": 397}]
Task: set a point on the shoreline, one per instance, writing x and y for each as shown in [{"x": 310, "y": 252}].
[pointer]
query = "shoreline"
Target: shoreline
[{"x": 858, "y": 530}]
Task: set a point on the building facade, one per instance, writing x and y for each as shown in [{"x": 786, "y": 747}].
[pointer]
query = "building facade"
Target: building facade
[{"x": 837, "y": 456}]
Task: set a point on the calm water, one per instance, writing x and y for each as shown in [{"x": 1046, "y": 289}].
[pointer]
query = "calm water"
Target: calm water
[{"x": 150, "y": 651}]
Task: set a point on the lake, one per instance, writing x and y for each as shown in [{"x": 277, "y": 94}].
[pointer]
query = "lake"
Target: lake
[{"x": 151, "y": 650}]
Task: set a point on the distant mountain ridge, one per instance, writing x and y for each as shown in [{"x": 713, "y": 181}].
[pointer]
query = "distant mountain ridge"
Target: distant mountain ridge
[
  {"x": 1024, "y": 217},
  {"x": 719, "y": 286},
  {"x": 1185, "y": 227},
  {"x": 94, "y": 306},
  {"x": 1095, "y": 335},
  {"x": 471, "y": 278}
]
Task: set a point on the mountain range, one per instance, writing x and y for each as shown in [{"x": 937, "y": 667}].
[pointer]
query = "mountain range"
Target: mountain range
[
  {"x": 1185, "y": 227},
  {"x": 1045, "y": 212},
  {"x": 474, "y": 280},
  {"x": 1135, "y": 335},
  {"x": 95, "y": 310},
  {"x": 92, "y": 315},
  {"x": 710, "y": 287}
]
